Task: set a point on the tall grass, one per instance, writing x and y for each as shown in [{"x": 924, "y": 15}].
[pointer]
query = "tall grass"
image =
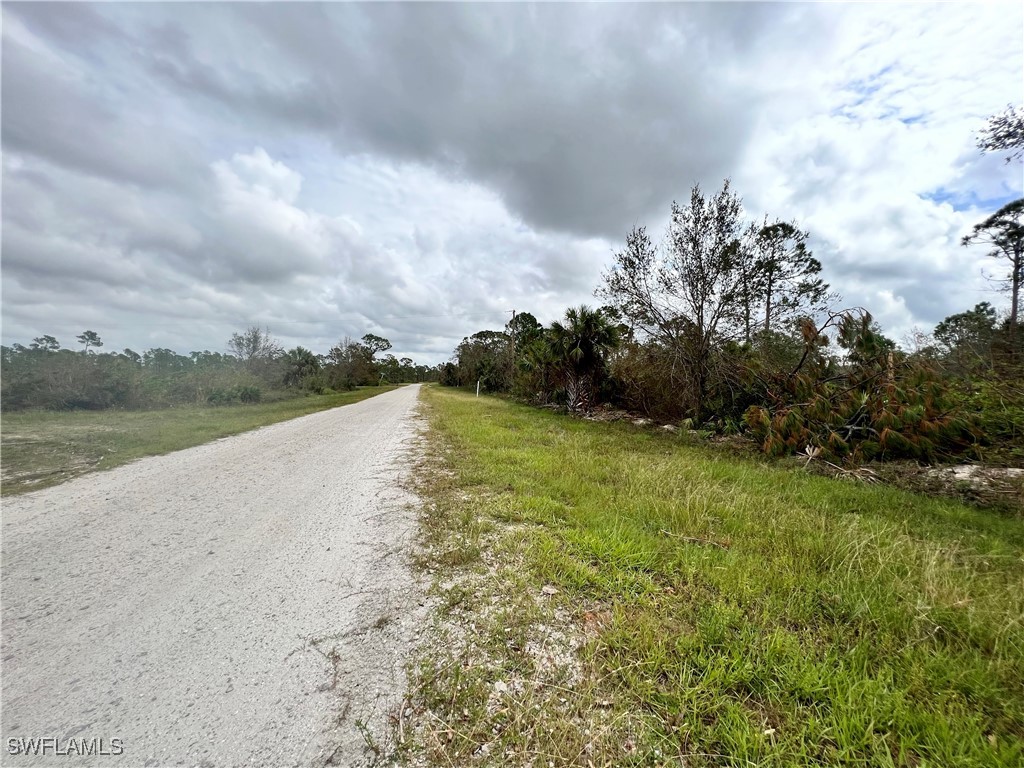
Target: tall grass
[{"x": 751, "y": 615}]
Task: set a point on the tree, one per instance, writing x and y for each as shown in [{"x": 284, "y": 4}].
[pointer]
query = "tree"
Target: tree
[
  {"x": 690, "y": 296},
  {"x": 162, "y": 361},
  {"x": 967, "y": 336},
  {"x": 484, "y": 357},
  {"x": 390, "y": 368},
  {"x": 46, "y": 376},
  {"x": 535, "y": 367},
  {"x": 376, "y": 343},
  {"x": 300, "y": 365},
  {"x": 350, "y": 364},
  {"x": 407, "y": 369},
  {"x": 1004, "y": 131},
  {"x": 522, "y": 329},
  {"x": 254, "y": 344},
  {"x": 787, "y": 273},
  {"x": 88, "y": 339},
  {"x": 581, "y": 343},
  {"x": 208, "y": 359},
  {"x": 1003, "y": 232},
  {"x": 259, "y": 352},
  {"x": 46, "y": 343}
]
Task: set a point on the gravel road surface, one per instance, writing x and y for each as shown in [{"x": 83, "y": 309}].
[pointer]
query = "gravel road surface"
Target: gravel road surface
[{"x": 244, "y": 602}]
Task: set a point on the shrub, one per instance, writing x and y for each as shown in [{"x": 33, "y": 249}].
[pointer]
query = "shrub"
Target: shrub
[
  {"x": 222, "y": 396},
  {"x": 249, "y": 394},
  {"x": 316, "y": 383},
  {"x": 237, "y": 394}
]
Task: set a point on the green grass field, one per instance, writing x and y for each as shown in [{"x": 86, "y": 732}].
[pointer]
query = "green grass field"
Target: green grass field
[
  {"x": 723, "y": 612},
  {"x": 42, "y": 448}
]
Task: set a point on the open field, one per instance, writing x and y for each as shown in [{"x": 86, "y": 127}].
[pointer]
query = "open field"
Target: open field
[
  {"x": 43, "y": 448},
  {"x": 611, "y": 596}
]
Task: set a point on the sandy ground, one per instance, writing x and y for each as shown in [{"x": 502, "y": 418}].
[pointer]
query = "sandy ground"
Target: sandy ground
[{"x": 244, "y": 602}]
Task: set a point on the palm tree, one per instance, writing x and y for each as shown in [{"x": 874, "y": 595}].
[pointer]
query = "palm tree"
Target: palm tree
[
  {"x": 580, "y": 344},
  {"x": 300, "y": 364},
  {"x": 537, "y": 363}
]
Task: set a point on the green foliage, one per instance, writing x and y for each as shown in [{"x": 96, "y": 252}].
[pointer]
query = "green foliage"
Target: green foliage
[
  {"x": 249, "y": 394},
  {"x": 255, "y": 347},
  {"x": 44, "y": 377},
  {"x": 976, "y": 357},
  {"x": 222, "y": 396},
  {"x": 375, "y": 343},
  {"x": 89, "y": 339},
  {"x": 996, "y": 399},
  {"x": 397, "y": 370},
  {"x": 579, "y": 346},
  {"x": 784, "y": 277},
  {"x": 691, "y": 295},
  {"x": 536, "y": 376},
  {"x": 1003, "y": 234},
  {"x": 301, "y": 369},
  {"x": 971, "y": 331},
  {"x": 352, "y": 364},
  {"x": 486, "y": 356},
  {"x": 316, "y": 384},
  {"x": 523, "y": 329},
  {"x": 565, "y": 363},
  {"x": 719, "y": 325},
  {"x": 45, "y": 344},
  {"x": 695, "y": 303},
  {"x": 881, "y": 405}
]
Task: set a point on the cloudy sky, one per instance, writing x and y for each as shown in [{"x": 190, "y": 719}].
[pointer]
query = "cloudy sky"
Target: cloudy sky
[{"x": 176, "y": 172}]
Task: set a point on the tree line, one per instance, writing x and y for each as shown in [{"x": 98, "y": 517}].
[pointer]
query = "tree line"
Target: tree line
[
  {"x": 254, "y": 367},
  {"x": 725, "y": 324}
]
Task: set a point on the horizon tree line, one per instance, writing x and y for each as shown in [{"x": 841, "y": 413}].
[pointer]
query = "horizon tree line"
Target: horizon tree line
[{"x": 254, "y": 366}]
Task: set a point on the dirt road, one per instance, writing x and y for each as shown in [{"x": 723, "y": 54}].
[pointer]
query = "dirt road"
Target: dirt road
[{"x": 245, "y": 602}]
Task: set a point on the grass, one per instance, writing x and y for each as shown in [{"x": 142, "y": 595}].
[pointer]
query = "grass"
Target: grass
[
  {"x": 611, "y": 596},
  {"x": 43, "y": 448}
]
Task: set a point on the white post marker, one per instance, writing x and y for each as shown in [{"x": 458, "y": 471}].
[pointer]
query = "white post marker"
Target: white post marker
[{"x": 478, "y": 387}]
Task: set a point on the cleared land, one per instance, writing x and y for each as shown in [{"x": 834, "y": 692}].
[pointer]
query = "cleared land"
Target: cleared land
[
  {"x": 612, "y": 596},
  {"x": 243, "y": 602},
  {"x": 43, "y": 448}
]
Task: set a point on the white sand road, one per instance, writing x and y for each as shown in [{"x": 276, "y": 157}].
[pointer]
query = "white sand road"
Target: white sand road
[{"x": 245, "y": 602}]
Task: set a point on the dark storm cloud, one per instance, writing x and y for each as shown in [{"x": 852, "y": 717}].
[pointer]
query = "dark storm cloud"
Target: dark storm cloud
[{"x": 582, "y": 127}]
